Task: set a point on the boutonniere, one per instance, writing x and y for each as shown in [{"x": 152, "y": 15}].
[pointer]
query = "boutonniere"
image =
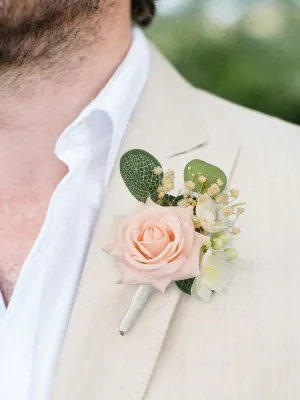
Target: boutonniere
[{"x": 181, "y": 237}]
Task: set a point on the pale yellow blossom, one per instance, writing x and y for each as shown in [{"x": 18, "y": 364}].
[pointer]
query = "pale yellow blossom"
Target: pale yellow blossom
[
  {"x": 213, "y": 190},
  {"x": 222, "y": 198},
  {"x": 196, "y": 222},
  {"x": 192, "y": 202},
  {"x": 202, "y": 198},
  {"x": 235, "y": 230},
  {"x": 240, "y": 210},
  {"x": 161, "y": 195},
  {"x": 235, "y": 193},
  {"x": 183, "y": 203},
  {"x": 168, "y": 184},
  {"x": 170, "y": 174},
  {"x": 219, "y": 182},
  {"x": 227, "y": 211},
  {"x": 158, "y": 170},
  {"x": 189, "y": 185},
  {"x": 202, "y": 179}
]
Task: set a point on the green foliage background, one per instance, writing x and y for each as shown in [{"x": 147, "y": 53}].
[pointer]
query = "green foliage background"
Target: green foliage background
[{"x": 254, "y": 61}]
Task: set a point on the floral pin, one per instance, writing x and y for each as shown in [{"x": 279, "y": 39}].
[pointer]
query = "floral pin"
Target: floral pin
[{"x": 178, "y": 238}]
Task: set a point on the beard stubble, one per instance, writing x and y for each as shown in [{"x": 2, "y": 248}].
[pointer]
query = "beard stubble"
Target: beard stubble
[{"x": 35, "y": 29}]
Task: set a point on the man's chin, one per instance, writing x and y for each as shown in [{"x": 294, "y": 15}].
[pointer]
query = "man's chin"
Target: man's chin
[
  {"x": 30, "y": 29},
  {"x": 23, "y": 14}
]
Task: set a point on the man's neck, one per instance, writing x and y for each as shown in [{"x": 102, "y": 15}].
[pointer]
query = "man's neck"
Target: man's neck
[{"x": 37, "y": 102}]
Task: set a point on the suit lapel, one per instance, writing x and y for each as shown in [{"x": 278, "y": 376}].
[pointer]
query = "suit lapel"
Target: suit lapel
[{"x": 96, "y": 361}]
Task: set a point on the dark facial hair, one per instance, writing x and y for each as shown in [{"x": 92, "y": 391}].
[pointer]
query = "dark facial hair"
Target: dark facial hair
[{"x": 34, "y": 29}]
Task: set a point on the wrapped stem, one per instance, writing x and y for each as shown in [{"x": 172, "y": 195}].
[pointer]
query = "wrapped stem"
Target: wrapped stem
[{"x": 137, "y": 305}]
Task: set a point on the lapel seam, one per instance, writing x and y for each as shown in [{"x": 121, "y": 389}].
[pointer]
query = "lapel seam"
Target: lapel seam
[{"x": 160, "y": 331}]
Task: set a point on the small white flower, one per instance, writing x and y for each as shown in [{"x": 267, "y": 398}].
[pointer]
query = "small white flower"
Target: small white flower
[
  {"x": 208, "y": 205},
  {"x": 215, "y": 273},
  {"x": 207, "y": 221},
  {"x": 205, "y": 212},
  {"x": 219, "y": 182}
]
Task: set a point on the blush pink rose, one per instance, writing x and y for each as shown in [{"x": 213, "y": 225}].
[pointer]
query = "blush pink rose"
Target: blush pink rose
[{"x": 156, "y": 245}]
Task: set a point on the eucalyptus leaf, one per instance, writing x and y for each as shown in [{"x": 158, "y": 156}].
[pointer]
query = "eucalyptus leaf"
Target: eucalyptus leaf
[
  {"x": 196, "y": 168},
  {"x": 137, "y": 170},
  {"x": 170, "y": 201},
  {"x": 185, "y": 285}
]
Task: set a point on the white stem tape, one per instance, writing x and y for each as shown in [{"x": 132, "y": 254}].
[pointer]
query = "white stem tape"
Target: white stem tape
[{"x": 137, "y": 305}]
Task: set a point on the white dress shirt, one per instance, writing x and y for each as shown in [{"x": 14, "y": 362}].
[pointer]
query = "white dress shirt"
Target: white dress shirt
[{"x": 33, "y": 327}]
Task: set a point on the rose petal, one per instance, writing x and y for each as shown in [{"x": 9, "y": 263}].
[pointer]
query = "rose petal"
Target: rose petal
[
  {"x": 118, "y": 251},
  {"x": 157, "y": 245},
  {"x": 191, "y": 268},
  {"x": 113, "y": 234},
  {"x": 153, "y": 233},
  {"x": 169, "y": 269},
  {"x": 188, "y": 235},
  {"x": 129, "y": 276},
  {"x": 162, "y": 284}
]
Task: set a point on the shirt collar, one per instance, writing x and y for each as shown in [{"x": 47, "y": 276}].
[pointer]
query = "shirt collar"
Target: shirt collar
[{"x": 117, "y": 100}]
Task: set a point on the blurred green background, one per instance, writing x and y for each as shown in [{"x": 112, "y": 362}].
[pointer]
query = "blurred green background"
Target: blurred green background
[{"x": 247, "y": 51}]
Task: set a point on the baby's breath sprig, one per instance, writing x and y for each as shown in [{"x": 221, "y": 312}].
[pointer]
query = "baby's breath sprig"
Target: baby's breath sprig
[
  {"x": 167, "y": 184},
  {"x": 215, "y": 208},
  {"x": 215, "y": 212}
]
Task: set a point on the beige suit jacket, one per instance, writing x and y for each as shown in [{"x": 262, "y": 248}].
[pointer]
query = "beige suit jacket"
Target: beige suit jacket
[{"x": 244, "y": 344}]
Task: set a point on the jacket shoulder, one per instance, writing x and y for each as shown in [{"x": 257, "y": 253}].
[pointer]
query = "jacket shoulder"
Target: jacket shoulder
[{"x": 244, "y": 119}]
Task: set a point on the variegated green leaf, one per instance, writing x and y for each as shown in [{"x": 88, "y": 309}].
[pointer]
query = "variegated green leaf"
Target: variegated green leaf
[
  {"x": 136, "y": 167},
  {"x": 185, "y": 285}
]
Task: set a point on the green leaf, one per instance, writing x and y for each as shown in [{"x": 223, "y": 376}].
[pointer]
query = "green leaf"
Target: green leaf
[
  {"x": 136, "y": 167},
  {"x": 196, "y": 168},
  {"x": 186, "y": 285},
  {"x": 170, "y": 201}
]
